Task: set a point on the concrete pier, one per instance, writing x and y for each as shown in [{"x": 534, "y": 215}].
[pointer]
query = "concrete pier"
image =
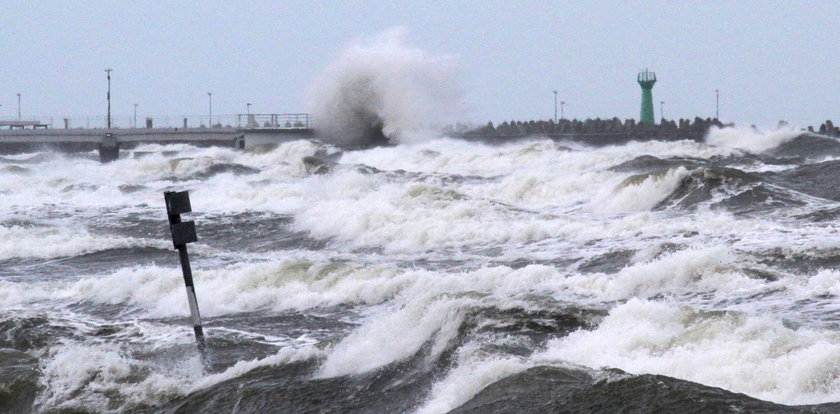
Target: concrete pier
[
  {"x": 263, "y": 137},
  {"x": 109, "y": 142}
]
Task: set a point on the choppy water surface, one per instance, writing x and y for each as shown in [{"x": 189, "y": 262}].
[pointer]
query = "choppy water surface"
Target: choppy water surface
[{"x": 428, "y": 277}]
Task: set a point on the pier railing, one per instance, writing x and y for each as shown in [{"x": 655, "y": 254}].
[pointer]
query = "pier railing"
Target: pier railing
[
  {"x": 242, "y": 121},
  {"x": 273, "y": 121}
]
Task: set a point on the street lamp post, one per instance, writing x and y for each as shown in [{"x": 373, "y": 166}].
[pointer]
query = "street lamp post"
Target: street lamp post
[
  {"x": 135, "y": 115},
  {"x": 108, "y": 71},
  {"x": 562, "y": 104},
  {"x": 210, "y": 97},
  {"x": 555, "y": 106},
  {"x": 717, "y": 103},
  {"x": 662, "y": 109},
  {"x": 248, "y": 108},
  {"x": 18, "y": 95}
]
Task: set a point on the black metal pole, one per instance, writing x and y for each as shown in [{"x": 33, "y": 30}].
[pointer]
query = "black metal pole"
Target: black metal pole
[
  {"x": 183, "y": 233},
  {"x": 108, "y": 71},
  {"x": 195, "y": 316}
]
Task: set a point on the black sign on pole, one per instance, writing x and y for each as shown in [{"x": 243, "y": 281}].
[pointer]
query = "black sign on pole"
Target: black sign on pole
[{"x": 178, "y": 203}]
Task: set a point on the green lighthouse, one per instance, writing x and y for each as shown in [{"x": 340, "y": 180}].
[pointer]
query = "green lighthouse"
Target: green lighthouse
[{"x": 646, "y": 80}]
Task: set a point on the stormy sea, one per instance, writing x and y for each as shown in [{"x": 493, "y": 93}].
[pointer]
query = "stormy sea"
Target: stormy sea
[{"x": 429, "y": 277}]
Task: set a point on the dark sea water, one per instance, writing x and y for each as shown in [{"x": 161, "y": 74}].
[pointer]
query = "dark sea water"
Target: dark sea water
[{"x": 440, "y": 276}]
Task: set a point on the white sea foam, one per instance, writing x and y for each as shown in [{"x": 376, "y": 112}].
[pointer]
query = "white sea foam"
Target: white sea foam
[
  {"x": 429, "y": 306},
  {"x": 396, "y": 335},
  {"x": 642, "y": 194},
  {"x": 453, "y": 201},
  {"x": 452, "y": 156},
  {"x": 95, "y": 376},
  {"x": 14, "y": 294},
  {"x": 282, "y": 285},
  {"x": 467, "y": 380},
  {"x": 755, "y": 355},
  {"x": 411, "y": 217},
  {"x": 690, "y": 270},
  {"x": 749, "y": 139},
  {"x": 53, "y": 242},
  {"x": 302, "y": 284},
  {"x": 76, "y": 376},
  {"x": 285, "y": 285},
  {"x": 825, "y": 282}
]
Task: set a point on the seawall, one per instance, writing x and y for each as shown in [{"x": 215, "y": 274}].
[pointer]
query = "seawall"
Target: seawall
[
  {"x": 610, "y": 131},
  {"x": 593, "y": 131}
]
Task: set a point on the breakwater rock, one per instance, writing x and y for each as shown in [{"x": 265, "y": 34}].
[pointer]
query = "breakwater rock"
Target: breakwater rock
[
  {"x": 828, "y": 129},
  {"x": 609, "y": 131},
  {"x": 595, "y": 131}
]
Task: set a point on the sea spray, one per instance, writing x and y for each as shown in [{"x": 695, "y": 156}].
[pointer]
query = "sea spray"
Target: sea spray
[
  {"x": 381, "y": 89},
  {"x": 745, "y": 353}
]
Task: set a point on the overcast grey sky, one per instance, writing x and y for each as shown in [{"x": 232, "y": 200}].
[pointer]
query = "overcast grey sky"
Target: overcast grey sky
[{"x": 771, "y": 59}]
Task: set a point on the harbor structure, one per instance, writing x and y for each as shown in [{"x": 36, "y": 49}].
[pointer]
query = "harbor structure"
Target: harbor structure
[
  {"x": 253, "y": 130},
  {"x": 646, "y": 80}
]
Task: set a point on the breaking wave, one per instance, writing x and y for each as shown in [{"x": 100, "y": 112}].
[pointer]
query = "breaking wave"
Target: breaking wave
[
  {"x": 431, "y": 276},
  {"x": 382, "y": 90},
  {"x": 749, "y": 139}
]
